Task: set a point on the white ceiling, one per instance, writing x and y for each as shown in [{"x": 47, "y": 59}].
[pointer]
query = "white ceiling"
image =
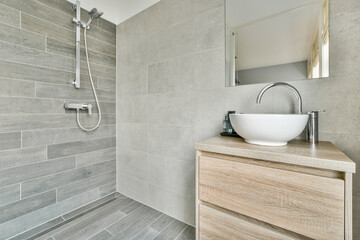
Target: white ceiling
[
  {"x": 272, "y": 32},
  {"x": 117, "y": 11}
]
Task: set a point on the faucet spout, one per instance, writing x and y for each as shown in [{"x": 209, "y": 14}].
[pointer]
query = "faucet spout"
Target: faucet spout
[{"x": 283, "y": 84}]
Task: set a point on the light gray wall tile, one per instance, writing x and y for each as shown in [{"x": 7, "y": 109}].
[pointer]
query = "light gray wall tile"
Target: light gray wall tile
[
  {"x": 73, "y": 148},
  {"x": 210, "y": 30},
  {"x": 9, "y": 16},
  {"x": 179, "y": 205},
  {"x": 17, "y": 53},
  {"x": 45, "y": 214},
  {"x": 98, "y": 70},
  {"x": 132, "y": 136},
  {"x": 132, "y": 186},
  {"x": 9, "y": 194},
  {"x": 23, "y": 173},
  {"x": 132, "y": 108},
  {"x": 203, "y": 6},
  {"x": 17, "y": 36},
  {"x": 173, "y": 174},
  {"x": 46, "y": 183},
  {"x": 27, "y": 205},
  {"x": 175, "y": 75},
  {"x": 12, "y": 105},
  {"x": 15, "y": 88},
  {"x": 133, "y": 163},
  {"x": 356, "y": 217},
  {"x": 95, "y": 157},
  {"x": 10, "y": 140},
  {"x": 63, "y": 6},
  {"x": 176, "y": 41},
  {"x": 209, "y": 70},
  {"x": 134, "y": 56},
  {"x": 175, "y": 109},
  {"x": 76, "y": 188},
  {"x": 171, "y": 141},
  {"x": 134, "y": 83},
  {"x": 23, "y": 156}
]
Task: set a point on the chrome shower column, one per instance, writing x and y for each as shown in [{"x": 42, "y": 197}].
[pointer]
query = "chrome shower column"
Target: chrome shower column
[{"x": 78, "y": 23}]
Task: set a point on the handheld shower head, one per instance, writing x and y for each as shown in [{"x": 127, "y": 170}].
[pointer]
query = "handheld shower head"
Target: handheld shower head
[{"x": 94, "y": 14}]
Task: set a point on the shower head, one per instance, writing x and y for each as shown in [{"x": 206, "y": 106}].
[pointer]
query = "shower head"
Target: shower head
[{"x": 94, "y": 14}]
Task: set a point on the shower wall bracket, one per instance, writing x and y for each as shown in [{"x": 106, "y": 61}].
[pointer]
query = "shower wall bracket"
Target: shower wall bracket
[{"x": 78, "y": 23}]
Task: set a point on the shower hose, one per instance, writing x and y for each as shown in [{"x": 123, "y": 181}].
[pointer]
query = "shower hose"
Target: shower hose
[{"x": 93, "y": 89}]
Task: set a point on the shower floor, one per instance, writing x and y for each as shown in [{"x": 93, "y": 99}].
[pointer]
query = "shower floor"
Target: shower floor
[{"x": 120, "y": 218}]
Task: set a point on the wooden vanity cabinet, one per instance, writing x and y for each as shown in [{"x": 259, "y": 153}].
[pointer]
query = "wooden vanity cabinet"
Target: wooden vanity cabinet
[{"x": 252, "y": 192}]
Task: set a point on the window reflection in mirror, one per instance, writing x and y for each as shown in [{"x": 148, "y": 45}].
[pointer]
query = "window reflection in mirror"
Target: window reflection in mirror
[{"x": 276, "y": 40}]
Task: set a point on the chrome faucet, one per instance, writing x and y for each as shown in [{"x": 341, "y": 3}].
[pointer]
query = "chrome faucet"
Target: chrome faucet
[{"x": 294, "y": 90}]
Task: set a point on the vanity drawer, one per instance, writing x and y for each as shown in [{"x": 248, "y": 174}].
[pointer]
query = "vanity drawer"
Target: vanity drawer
[
  {"x": 306, "y": 204},
  {"x": 215, "y": 224}
]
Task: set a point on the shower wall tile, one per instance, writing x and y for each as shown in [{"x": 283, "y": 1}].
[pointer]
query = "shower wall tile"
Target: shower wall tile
[
  {"x": 24, "y": 206},
  {"x": 12, "y": 105},
  {"x": 15, "y": 88},
  {"x": 40, "y": 26},
  {"x": 27, "y": 172},
  {"x": 85, "y": 185},
  {"x": 68, "y": 50},
  {"x": 9, "y": 194},
  {"x": 40, "y": 11},
  {"x": 46, "y": 183},
  {"x": 23, "y": 156},
  {"x": 44, "y": 90},
  {"x": 11, "y": 123},
  {"x": 41, "y": 147},
  {"x": 95, "y": 157},
  {"x": 17, "y": 53},
  {"x": 79, "y": 147},
  {"x": 21, "y": 71},
  {"x": 38, "y": 138},
  {"x": 9, "y": 16},
  {"x": 17, "y": 36},
  {"x": 46, "y": 214},
  {"x": 10, "y": 140}
]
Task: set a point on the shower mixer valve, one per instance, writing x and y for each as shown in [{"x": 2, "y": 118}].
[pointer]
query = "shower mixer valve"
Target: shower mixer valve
[{"x": 78, "y": 106}]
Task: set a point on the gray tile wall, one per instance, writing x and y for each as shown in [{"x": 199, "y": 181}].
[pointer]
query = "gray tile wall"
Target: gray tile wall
[
  {"x": 171, "y": 94},
  {"x": 48, "y": 166}
]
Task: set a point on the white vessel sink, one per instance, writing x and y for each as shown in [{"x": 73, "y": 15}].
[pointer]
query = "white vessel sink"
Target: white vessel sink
[{"x": 268, "y": 129}]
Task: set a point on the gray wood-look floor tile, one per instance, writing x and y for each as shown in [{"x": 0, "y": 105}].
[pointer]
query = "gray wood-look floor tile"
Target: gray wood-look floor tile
[
  {"x": 103, "y": 235},
  {"x": 122, "y": 218},
  {"x": 172, "y": 231},
  {"x": 146, "y": 234},
  {"x": 187, "y": 234},
  {"x": 161, "y": 223}
]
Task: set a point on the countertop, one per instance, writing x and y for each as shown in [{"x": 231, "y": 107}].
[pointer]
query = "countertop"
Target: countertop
[{"x": 323, "y": 155}]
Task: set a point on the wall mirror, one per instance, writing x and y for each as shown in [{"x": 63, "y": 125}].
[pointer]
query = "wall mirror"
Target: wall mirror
[{"x": 276, "y": 40}]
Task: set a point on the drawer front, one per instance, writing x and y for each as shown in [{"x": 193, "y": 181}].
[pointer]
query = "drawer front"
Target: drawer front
[
  {"x": 215, "y": 224},
  {"x": 309, "y": 205}
]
